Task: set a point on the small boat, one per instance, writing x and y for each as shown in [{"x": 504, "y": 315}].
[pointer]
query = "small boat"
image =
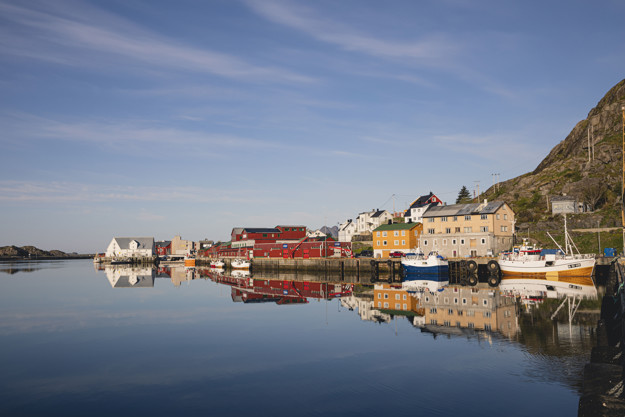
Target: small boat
[
  {"x": 217, "y": 263},
  {"x": 240, "y": 263},
  {"x": 549, "y": 268},
  {"x": 433, "y": 264}
]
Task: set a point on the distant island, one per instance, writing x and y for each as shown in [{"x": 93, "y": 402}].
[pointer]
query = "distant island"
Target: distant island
[{"x": 31, "y": 252}]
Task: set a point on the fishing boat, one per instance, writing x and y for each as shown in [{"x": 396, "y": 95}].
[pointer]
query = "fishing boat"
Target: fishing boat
[
  {"x": 240, "y": 263},
  {"x": 433, "y": 264},
  {"x": 217, "y": 263},
  {"x": 549, "y": 268}
]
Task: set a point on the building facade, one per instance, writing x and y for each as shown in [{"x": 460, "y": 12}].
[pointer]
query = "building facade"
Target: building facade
[
  {"x": 401, "y": 237},
  {"x": 463, "y": 230}
]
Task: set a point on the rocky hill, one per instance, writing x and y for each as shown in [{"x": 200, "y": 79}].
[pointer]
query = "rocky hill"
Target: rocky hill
[
  {"x": 568, "y": 171},
  {"x": 31, "y": 252}
]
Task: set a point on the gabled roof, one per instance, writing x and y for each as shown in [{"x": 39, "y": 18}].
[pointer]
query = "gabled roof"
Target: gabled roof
[
  {"x": 463, "y": 209},
  {"x": 378, "y": 213},
  {"x": 396, "y": 226},
  {"x": 144, "y": 242}
]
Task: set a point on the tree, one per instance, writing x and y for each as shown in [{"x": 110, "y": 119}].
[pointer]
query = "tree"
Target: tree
[{"x": 464, "y": 196}]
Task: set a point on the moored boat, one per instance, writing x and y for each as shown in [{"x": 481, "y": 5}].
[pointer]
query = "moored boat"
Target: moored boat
[
  {"x": 549, "y": 268},
  {"x": 433, "y": 264},
  {"x": 240, "y": 264}
]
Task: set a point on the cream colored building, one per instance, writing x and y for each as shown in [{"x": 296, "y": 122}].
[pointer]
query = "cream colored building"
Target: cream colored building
[{"x": 462, "y": 230}]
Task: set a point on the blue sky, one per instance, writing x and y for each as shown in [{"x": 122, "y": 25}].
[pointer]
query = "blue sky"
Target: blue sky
[{"x": 156, "y": 118}]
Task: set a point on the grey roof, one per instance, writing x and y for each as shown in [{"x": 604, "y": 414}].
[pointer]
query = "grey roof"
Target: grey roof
[
  {"x": 463, "y": 209},
  {"x": 144, "y": 242}
]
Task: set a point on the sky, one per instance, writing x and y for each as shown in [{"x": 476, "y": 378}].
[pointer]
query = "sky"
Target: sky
[{"x": 159, "y": 118}]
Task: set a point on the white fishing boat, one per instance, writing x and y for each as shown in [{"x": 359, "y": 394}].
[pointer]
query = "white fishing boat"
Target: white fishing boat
[
  {"x": 217, "y": 263},
  {"x": 549, "y": 269},
  {"x": 240, "y": 263}
]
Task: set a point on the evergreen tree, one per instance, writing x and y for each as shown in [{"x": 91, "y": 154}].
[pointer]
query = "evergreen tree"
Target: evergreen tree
[{"x": 464, "y": 196}]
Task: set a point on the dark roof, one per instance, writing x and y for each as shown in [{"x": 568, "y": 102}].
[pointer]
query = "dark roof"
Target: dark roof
[
  {"x": 261, "y": 230},
  {"x": 378, "y": 213}
]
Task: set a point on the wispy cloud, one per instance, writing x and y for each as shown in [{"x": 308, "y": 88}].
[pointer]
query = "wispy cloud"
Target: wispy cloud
[
  {"x": 71, "y": 37},
  {"x": 429, "y": 48},
  {"x": 67, "y": 192}
]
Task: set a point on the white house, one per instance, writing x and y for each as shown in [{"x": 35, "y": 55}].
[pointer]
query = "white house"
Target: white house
[
  {"x": 315, "y": 233},
  {"x": 369, "y": 220},
  {"x": 126, "y": 247},
  {"x": 414, "y": 214},
  {"x": 347, "y": 230}
]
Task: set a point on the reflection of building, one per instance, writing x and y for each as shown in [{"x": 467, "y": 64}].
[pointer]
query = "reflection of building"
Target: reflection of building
[
  {"x": 471, "y": 308},
  {"x": 129, "y": 276},
  {"x": 181, "y": 274},
  {"x": 394, "y": 297},
  {"x": 366, "y": 309},
  {"x": 130, "y": 247}
]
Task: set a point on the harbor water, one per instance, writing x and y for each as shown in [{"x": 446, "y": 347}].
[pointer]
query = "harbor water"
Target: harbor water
[{"x": 78, "y": 341}]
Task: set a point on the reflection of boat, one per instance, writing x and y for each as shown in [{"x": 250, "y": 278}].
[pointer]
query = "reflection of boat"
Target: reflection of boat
[
  {"x": 433, "y": 264},
  {"x": 240, "y": 273},
  {"x": 556, "y": 268},
  {"x": 217, "y": 263},
  {"x": 240, "y": 263}
]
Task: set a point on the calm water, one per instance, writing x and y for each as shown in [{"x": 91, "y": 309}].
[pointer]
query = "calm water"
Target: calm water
[{"x": 76, "y": 341}]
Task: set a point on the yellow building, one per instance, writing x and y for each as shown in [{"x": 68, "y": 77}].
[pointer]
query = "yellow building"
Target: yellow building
[
  {"x": 461, "y": 230},
  {"x": 401, "y": 237},
  {"x": 393, "y": 297}
]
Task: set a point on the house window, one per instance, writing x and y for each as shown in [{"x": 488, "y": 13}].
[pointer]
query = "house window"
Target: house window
[
  {"x": 384, "y": 243},
  {"x": 431, "y": 231},
  {"x": 467, "y": 217},
  {"x": 484, "y": 217},
  {"x": 483, "y": 228},
  {"x": 448, "y": 230}
]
